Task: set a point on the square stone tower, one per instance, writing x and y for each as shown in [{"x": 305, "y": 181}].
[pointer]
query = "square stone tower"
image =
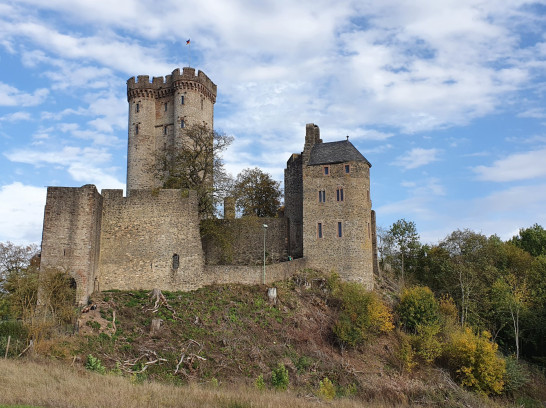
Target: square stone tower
[{"x": 329, "y": 208}]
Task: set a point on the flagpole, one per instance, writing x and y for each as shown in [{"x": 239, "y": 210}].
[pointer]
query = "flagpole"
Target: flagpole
[{"x": 188, "y": 43}]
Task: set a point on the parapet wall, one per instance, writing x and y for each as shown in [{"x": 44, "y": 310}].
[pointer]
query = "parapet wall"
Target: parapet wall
[
  {"x": 241, "y": 241},
  {"x": 187, "y": 80},
  {"x": 150, "y": 240}
]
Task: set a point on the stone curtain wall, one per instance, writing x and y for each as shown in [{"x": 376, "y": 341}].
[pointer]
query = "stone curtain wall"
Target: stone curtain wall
[
  {"x": 240, "y": 241},
  {"x": 352, "y": 254},
  {"x": 70, "y": 238},
  {"x": 252, "y": 275},
  {"x": 140, "y": 236}
]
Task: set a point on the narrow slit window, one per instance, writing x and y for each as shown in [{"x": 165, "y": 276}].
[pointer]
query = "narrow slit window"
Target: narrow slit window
[
  {"x": 164, "y": 130},
  {"x": 166, "y": 106},
  {"x": 319, "y": 230},
  {"x": 326, "y": 170},
  {"x": 182, "y": 124},
  {"x": 137, "y": 107},
  {"x": 181, "y": 99},
  {"x": 339, "y": 194},
  {"x": 136, "y": 129},
  {"x": 339, "y": 229},
  {"x": 176, "y": 261},
  {"x": 201, "y": 103},
  {"x": 347, "y": 168},
  {"x": 322, "y": 196}
]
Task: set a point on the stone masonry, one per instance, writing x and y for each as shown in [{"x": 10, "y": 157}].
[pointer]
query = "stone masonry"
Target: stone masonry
[{"x": 151, "y": 238}]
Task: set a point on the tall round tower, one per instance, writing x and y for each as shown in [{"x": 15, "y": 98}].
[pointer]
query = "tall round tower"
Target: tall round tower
[{"x": 159, "y": 114}]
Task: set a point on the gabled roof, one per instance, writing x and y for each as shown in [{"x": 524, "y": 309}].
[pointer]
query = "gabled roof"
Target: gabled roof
[{"x": 335, "y": 152}]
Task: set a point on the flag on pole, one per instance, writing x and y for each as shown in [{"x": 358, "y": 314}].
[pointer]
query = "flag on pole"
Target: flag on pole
[{"x": 188, "y": 41}]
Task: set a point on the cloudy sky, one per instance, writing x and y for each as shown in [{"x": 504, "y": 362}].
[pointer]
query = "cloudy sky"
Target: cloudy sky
[{"x": 445, "y": 98}]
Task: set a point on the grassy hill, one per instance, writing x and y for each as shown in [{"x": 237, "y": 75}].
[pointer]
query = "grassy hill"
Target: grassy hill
[{"x": 233, "y": 346}]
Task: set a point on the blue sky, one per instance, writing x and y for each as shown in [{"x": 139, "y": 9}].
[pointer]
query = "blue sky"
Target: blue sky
[{"x": 446, "y": 99}]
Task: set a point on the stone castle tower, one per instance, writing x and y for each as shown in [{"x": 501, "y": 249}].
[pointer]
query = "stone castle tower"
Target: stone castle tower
[
  {"x": 159, "y": 113},
  {"x": 327, "y": 202}
]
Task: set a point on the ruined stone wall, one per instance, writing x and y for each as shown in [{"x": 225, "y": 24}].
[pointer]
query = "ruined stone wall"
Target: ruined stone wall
[
  {"x": 160, "y": 112},
  {"x": 252, "y": 275},
  {"x": 240, "y": 241},
  {"x": 150, "y": 240},
  {"x": 293, "y": 204},
  {"x": 351, "y": 255},
  {"x": 70, "y": 238}
]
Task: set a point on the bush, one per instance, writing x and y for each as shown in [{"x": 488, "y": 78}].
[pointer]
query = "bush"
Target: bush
[
  {"x": 473, "y": 360},
  {"x": 279, "y": 377},
  {"x": 516, "y": 375},
  {"x": 327, "y": 390},
  {"x": 260, "y": 383},
  {"x": 426, "y": 343},
  {"x": 362, "y": 314},
  {"x": 417, "y": 307},
  {"x": 94, "y": 364}
]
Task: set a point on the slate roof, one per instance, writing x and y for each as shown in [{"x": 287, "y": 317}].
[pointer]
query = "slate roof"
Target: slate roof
[{"x": 335, "y": 152}]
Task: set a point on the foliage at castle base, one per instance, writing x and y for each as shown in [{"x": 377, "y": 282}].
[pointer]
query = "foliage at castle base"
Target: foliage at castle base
[
  {"x": 496, "y": 286},
  {"x": 256, "y": 193},
  {"x": 197, "y": 165}
]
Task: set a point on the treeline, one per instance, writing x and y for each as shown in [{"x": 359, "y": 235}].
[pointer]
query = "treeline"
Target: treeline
[{"x": 497, "y": 286}]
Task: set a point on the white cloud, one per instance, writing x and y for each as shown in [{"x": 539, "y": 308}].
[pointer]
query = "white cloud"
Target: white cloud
[
  {"x": 15, "y": 117},
  {"x": 416, "y": 157},
  {"x": 11, "y": 96},
  {"x": 85, "y": 165},
  {"x": 518, "y": 166},
  {"x": 22, "y": 212}
]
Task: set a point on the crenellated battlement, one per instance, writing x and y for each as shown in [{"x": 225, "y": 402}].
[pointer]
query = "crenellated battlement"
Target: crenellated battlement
[{"x": 159, "y": 86}]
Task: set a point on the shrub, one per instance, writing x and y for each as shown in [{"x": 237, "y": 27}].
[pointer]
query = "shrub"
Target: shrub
[
  {"x": 417, "y": 307},
  {"x": 426, "y": 343},
  {"x": 473, "y": 360},
  {"x": 327, "y": 390},
  {"x": 516, "y": 375},
  {"x": 260, "y": 383},
  {"x": 406, "y": 353},
  {"x": 94, "y": 364},
  {"x": 362, "y": 314},
  {"x": 279, "y": 377}
]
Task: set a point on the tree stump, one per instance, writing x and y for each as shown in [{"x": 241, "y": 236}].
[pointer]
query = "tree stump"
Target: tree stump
[
  {"x": 155, "y": 325},
  {"x": 272, "y": 295}
]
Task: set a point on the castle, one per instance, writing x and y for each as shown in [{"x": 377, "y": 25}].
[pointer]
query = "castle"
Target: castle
[{"x": 151, "y": 238}]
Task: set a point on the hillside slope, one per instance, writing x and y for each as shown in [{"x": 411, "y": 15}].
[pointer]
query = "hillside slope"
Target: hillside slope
[{"x": 233, "y": 334}]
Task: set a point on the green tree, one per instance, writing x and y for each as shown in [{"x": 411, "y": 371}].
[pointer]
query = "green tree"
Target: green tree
[
  {"x": 196, "y": 164},
  {"x": 532, "y": 240},
  {"x": 362, "y": 315},
  {"x": 417, "y": 307},
  {"x": 401, "y": 244},
  {"x": 256, "y": 193}
]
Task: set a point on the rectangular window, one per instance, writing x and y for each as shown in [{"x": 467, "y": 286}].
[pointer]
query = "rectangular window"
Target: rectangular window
[
  {"x": 319, "y": 230},
  {"x": 326, "y": 170},
  {"x": 322, "y": 196},
  {"x": 339, "y": 229},
  {"x": 347, "y": 168},
  {"x": 166, "y": 106},
  {"x": 136, "y": 129},
  {"x": 182, "y": 124},
  {"x": 339, "y": 194},
  {"x": 181, "y": 99},
  {"x": 164, "y": 130},
  {"x": 137, "y": 107}
]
